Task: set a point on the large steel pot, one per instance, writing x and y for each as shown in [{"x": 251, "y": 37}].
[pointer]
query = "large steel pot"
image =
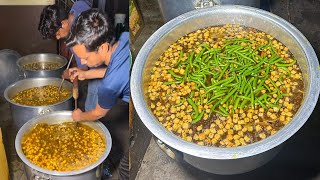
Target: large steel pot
[
  {"x": 42, "y": 58},
  {"x": 92, "y": 172},
  {"x": 9, "y": 71},
  {"x": 171, "y": 9},
  {"x": 226, "y": 160},
  {"x": 22, "y": 113}
]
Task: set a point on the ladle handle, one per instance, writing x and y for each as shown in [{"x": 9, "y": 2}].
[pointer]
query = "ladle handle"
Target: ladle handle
[
  {"x": 69, "y": 62},
  {"x": 60, "y": 85},
  {"x": 63, "y": 75},
  {"x": 75, "y": 91}
]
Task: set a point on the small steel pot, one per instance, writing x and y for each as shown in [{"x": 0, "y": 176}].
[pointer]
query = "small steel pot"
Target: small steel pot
[
  {"x": 22, "y": 113},
  {"x": 91, "y": 172},
  {"x": 42, "y": 58},
  {"x": 226, "y": 160}
]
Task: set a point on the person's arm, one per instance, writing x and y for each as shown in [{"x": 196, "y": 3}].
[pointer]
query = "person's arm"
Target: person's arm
[
  {"x": 66, "y": 75},
  {"x": 89, "y": 74},
  {"x": 95, "y": 73},
  {"x": 92, "y": 115}
]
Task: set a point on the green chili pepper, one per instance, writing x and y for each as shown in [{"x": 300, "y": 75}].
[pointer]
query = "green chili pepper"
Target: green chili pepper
[
  {"x": 174, "y": 75},
  {"x": 194, "y": 106},
  {"x": 285, "y": 65},
  {"x": 198, "y": 118}
]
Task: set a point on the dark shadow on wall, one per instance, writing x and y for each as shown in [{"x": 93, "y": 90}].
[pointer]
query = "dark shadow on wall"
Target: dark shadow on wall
[{"x": 19, "y": 30}]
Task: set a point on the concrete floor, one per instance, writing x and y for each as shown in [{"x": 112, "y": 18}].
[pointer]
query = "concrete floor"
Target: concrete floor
[
  {"x": 140, "y": 135},
  {"x": 156, "y": 165},
  {"x": 299, "y": 157}
]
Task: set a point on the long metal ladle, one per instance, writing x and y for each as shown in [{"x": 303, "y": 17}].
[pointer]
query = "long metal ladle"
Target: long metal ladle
[{"x": 66, "y": 69}]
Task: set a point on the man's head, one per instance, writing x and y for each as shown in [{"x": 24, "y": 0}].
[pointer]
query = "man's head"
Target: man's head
[
  {"x": 50, "y": 21},
  {"x": 55, "y": 22},
  {"x": 92, "y": 37},
  {"x": 65, "y": 27}
]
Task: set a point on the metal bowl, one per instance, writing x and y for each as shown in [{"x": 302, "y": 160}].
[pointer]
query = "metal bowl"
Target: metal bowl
[
  {"x": 23, "y": 113},
  {"x": 91, "y": 172},
  {"x": 171, "y": 9},
  {"x": 9, "y": 71},
  {"x": 214, "y": 159},
  {"x": 42, "y": 58}
]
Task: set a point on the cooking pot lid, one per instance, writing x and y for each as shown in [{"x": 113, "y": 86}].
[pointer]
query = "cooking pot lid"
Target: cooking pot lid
[{"x": 9, "y": 71}]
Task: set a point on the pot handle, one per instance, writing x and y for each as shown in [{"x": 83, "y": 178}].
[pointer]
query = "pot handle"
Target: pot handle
[
  {"x": 99, "y": 171},
  {"x": 172, "y": 153},
  {"x": 24, "y": 74},
  {"x": 35, "y": 175},
  {"x": 44, "y": 111},
  {"x": 199, "y": 4}
]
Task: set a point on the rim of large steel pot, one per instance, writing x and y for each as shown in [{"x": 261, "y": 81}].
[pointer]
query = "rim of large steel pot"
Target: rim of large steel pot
[
  {"x": 147, "y": 117},
  {"x": 24, "y": 58},
  {"x": 6, "y": 91},
  {"x": 106, "y": 134}
]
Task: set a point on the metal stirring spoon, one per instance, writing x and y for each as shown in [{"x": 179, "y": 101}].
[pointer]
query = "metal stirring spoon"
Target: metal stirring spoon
[{"x": 66, "y": 69}]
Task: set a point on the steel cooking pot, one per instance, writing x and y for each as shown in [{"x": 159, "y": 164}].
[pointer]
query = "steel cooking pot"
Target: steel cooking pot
[
  {"x": 22, "y": 113},
  {"x": 171, "y": 9},
  {"x": 214, "y": 159},
  {"x": 9, "y": 71},
  {"x": 92, "y": 172},
  {"x": 42, "y": 58}
]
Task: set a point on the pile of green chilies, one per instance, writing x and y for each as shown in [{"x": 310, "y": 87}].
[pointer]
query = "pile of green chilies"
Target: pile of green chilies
[{"x": 232, "y": 75}]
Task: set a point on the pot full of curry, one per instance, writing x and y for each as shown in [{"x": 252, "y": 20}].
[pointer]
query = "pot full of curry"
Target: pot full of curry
[
  {"x": 31, "y": 97},
  {"x": 42, "y": 65},
  {"x": 52, "y": 146},
  {"x": 224, "y": 87}
]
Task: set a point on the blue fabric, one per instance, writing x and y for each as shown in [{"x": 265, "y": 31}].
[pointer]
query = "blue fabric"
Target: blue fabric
[
  {"x": 115, "y": 83},
  {"x": 77, "y": 8},
  {"x": 92, "y": 94}
]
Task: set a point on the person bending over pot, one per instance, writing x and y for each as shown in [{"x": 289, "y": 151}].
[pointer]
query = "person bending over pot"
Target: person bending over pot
[
  {"x": 93, "y": 39},
  {"x": 55, "y": 24}
]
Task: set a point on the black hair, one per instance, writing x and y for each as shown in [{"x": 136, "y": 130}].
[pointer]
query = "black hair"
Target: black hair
[
  {"x": 50, "y": 21},
  {"x": 92, "y": 28}
]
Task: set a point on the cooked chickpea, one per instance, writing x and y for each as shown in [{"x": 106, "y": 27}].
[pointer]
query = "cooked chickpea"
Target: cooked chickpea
[
  {"x": 63, "y": 147},
  {"x": 236, "y": 126},
  {"x": 41, "y": 96}
]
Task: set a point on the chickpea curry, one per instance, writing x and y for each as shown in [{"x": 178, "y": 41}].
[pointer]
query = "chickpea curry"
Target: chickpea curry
[
  {"x": 41, "y": 96},
  {"x": 225, "y": 86},
  {"x": 63, "y": 147},
  {"x": 36, "y": 66}
]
